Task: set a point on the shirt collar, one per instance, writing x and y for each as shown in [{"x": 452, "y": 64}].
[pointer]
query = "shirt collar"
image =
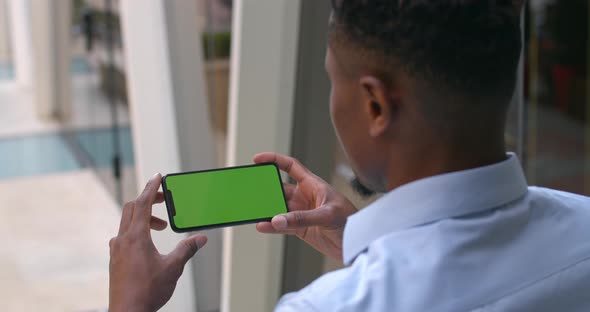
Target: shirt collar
[{"x": 434, "y": 198}]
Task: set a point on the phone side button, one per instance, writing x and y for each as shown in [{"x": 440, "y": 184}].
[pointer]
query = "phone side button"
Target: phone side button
[{"x": 171, "y": 203}]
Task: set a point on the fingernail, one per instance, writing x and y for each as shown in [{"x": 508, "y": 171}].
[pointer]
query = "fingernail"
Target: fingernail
[
  {"x": 279, "y": 222},
  {"x": 201, "y": 241},
  {"x": 155, "y": 176}
]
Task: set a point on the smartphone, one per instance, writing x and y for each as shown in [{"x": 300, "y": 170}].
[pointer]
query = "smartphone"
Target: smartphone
[{"x": 223, "y": 197}]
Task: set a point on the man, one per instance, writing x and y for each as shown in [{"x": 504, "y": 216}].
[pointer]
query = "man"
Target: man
[{"x": 420, "y": 92}]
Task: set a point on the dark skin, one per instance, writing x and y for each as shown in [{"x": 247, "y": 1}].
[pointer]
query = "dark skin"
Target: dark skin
[
  {"x": 388, "y": 142},
  {"x": 385, "y": 135},
  {"x": 317, "y": 211},
  {"x": 142, "y": 279}
]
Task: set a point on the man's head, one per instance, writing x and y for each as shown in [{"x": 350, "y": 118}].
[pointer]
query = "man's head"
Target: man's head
[{"x": 409, "y": 76}]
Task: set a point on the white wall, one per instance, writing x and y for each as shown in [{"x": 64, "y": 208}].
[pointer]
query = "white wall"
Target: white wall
[{"x": 153, "y": 114}]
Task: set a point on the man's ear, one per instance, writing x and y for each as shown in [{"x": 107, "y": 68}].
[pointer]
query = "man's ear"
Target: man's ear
[{"x": 379, "y": 105}]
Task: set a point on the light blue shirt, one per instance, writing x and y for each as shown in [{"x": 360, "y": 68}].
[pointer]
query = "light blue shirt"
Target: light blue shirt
[{"x": 474, "y": 240}]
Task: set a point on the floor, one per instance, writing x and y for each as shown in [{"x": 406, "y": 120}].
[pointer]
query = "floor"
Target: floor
[
  {"x": 59, "y": 209},
  {"x": 35, "y": 155},
  {"x": 54, "y": 233}
]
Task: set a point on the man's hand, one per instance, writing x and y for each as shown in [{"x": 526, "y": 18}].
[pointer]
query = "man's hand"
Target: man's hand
[
  {"x": 317, "y": 212},
  {"x": 141, "y": 279}
]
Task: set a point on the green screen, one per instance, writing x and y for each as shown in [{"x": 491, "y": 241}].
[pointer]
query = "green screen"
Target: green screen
[{"x": 226, "y": 195}]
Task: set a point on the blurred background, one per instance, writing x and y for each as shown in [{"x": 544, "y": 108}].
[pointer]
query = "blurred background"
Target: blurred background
[{"x": 98, "y": 95}]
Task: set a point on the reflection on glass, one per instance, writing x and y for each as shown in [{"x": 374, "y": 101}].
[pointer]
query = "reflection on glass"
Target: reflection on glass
[
  {"x": 556, "y": 85},
  {"x": 215, "y": 22},
  {"x": 100, "y": 121}
]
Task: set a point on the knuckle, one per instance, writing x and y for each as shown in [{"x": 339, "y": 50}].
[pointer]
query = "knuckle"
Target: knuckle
[
  {"x": 129, "y": 205},
  {"x": 299, "y": 219},
  {"x": 191, "y": 247},
  {"x": 115, "y": 246},
  {"x": 289, "y": 165},
  {"x": 112, "y": 242},
  {"x": 125, "y": 240}
]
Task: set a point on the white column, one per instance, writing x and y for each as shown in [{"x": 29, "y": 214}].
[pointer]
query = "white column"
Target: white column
[
  {"x": 170, "y": 127},
  {"x": 195, "y": 135},
  {"x": 263, "y": 71},
  {"x": 5, "y": 44},
  {"x": 20, "y": 26},
  {"x": 51, "y": 56}
]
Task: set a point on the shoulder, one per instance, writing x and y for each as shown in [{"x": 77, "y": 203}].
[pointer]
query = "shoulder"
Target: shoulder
[
  {"x": 558, "y": 219},
  {"x": 558, "y": 197},
  {"x": 354, "y": 288},
  {"x": 559, "y": 202}
]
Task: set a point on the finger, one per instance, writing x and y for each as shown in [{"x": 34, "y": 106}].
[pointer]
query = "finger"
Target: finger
[
  {"x": 126, "y": 217},
  {"x": 267, "y": 228},
  {"x": 159, "y": 198},
  {"x": 301, "y": 219},
  {"x": 143, "y": 204},
  {"x": 187, "y": 248},
  {"x": 158, "y": 224},
  {"x": 288, "y": 164}
]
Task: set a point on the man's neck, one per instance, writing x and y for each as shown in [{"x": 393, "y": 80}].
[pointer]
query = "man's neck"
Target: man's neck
[{"x": 432, "y": 161}]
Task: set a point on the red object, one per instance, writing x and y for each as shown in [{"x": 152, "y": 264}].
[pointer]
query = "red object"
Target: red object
[{"x": 563, "y": 76}]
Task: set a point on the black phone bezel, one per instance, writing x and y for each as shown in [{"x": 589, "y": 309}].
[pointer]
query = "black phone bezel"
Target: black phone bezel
[{"x": 169, "y": 203}]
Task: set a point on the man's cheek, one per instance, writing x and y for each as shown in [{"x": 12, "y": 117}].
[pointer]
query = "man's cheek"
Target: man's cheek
[{"x": 338, "y": 115}]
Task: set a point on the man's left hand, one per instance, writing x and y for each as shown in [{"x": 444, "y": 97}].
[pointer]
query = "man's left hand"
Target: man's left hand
[{"x": 142, "y": 279}]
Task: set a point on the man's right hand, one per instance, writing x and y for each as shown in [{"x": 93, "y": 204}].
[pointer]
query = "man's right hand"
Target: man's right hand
[{"x": 317, "y": 212}]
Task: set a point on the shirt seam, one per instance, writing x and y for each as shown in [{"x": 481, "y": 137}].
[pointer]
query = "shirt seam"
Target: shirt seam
[{"x": 530, "y": 284}]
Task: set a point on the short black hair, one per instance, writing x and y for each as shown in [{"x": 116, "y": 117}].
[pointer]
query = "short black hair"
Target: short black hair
[{"x": 467, "y": 49}]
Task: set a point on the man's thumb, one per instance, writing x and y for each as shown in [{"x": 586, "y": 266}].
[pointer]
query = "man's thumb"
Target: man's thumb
[
  {"x": 188, "y": 247},
  {"x": 299, "y": 219}
]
